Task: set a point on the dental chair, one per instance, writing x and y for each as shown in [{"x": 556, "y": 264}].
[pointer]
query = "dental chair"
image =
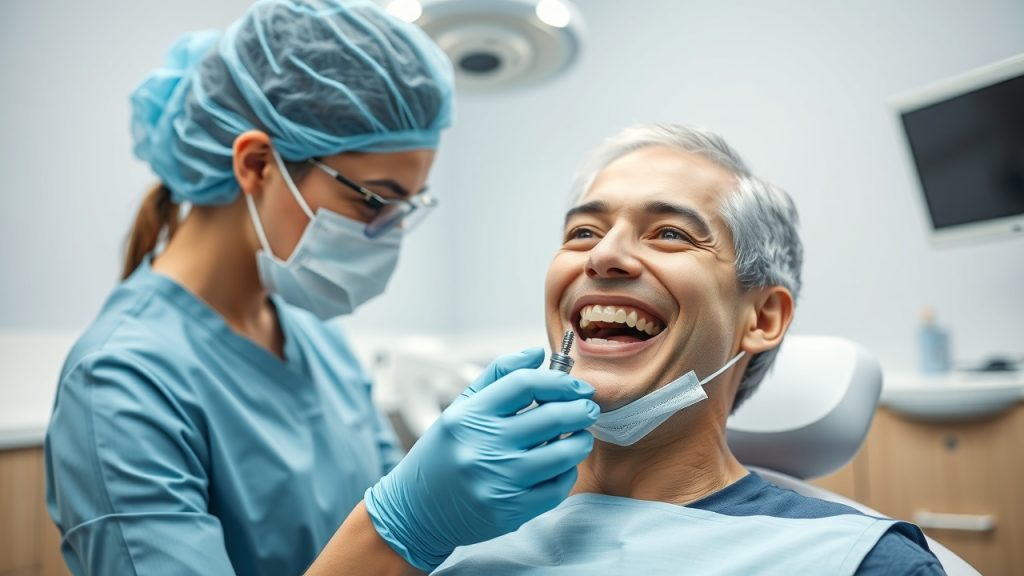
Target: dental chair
[{"x": 810, "y": 416}]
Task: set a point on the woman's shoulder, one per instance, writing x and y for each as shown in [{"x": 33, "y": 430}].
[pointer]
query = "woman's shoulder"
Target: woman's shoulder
[{"x": 136, "y": 326}]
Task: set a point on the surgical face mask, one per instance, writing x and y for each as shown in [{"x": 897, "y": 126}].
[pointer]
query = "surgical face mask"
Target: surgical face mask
[
  {"x": 627, "y": 425},
  {"x": 334, "y": 267}
]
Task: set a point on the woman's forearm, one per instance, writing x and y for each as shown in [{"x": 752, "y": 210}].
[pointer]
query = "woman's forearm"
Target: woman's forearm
[{"x": 357, "y": 549}]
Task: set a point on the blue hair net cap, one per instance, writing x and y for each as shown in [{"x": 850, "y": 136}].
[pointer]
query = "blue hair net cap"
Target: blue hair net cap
[{"x": 319, "y": 77}]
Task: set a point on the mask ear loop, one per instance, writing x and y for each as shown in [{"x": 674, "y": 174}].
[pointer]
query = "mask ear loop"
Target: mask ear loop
[
  {"x": 291, "y": 184},
  {"x": 257, "y": 224},
  {"x": 724, "y": 368}
]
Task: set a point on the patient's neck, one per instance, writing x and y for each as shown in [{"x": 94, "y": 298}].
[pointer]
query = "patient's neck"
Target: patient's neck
[{"x": 684, "y": 460}]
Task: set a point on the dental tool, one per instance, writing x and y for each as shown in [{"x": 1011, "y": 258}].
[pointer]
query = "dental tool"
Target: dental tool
[{"x": 560, "y": 360}]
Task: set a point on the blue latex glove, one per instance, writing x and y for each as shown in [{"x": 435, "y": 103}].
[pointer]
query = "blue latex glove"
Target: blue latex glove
[{"x": 483, "y": 469}]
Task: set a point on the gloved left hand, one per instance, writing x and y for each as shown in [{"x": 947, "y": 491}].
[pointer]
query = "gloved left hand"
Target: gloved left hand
[{"x": 486, "y": 467}]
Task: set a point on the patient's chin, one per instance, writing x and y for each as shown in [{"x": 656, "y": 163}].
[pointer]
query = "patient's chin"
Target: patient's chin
[
  {"x": 610, "y": 395},
  {"x": 615, "y": 385}
]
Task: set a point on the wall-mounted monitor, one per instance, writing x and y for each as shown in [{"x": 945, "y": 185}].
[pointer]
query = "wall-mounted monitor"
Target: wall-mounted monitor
[{"x": 966, "y": 139}]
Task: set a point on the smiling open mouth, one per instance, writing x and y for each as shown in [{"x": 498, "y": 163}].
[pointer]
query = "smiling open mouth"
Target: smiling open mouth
[{"x": 625, "y": 324}]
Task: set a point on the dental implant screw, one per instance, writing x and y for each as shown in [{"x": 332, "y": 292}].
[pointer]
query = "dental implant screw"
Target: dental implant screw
[
  {"x": 567, "y": 342},
  {"x": 560, "y": 360}
]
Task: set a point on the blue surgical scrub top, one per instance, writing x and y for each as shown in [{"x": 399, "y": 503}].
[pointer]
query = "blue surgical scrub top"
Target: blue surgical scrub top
[{"x": 177, "y": 446}]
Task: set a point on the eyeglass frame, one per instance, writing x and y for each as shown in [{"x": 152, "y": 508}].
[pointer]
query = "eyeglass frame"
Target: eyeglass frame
[{"x": 423, "y": 200}]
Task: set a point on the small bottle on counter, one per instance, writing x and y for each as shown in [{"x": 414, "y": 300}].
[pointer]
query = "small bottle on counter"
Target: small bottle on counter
[{"x": 933, "y": 343}]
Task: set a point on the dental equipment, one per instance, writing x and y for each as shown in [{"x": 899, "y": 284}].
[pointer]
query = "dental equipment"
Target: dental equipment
[{"x": 560, "y": 360}]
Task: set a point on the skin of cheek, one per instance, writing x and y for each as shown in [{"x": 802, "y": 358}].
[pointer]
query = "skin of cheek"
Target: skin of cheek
[
  {"x": 555, "y": 283},
  {"x": 700, "y": 337},
  {"x": 283, "y": 219}
]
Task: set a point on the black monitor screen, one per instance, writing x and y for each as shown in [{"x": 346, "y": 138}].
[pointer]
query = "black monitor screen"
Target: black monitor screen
[{"x": 969, "y": 152}]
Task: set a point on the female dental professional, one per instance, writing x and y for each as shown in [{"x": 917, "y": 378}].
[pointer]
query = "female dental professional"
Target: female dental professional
[{"x": 208, "y": 421}]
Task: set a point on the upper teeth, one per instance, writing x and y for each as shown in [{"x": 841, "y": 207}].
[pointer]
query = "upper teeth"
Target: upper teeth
[{"x": 623, "y": 315}]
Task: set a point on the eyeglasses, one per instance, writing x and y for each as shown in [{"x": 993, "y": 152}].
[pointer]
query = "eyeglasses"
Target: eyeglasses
[{"x": 390, "y": 212}]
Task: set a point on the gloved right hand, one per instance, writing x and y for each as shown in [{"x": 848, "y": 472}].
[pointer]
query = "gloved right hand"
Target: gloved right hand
[{"x": 483, "y": 469}]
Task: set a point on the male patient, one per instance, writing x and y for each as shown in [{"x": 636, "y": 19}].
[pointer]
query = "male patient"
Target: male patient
[{"x": 675, "y": 259}]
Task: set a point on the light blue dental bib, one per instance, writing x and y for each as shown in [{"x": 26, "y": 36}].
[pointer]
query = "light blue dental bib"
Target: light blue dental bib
[{"x": 596, "y": 534}]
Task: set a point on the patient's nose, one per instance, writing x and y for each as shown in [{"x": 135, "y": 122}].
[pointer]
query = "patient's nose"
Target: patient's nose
[{"x": 613, "y": 257}]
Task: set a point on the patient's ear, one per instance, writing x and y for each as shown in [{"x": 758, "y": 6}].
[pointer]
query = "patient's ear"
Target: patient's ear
[{"x": 768, "y": 314}]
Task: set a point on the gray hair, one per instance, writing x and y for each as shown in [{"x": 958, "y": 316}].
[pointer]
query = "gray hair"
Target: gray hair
[{"x": 762, "y": 218}]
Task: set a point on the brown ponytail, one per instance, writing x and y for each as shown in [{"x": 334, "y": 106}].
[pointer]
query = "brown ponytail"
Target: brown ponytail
[{"x": 156, "y": 214}]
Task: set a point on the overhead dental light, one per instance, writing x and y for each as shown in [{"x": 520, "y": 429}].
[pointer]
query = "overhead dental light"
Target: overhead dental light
[
  {"x": 408, "y": 10},
  {"x": 499, "y": 44}
]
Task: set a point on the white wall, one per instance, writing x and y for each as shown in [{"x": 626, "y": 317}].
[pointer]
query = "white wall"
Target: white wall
[
  {"x": 70, "y": 182},
  {"x": 798, "y": 87},
  {"x": 800, "y": 91},
  {"x": 70, "y": 185}
]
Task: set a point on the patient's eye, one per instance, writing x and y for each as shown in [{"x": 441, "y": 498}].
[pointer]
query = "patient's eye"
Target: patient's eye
[
  {"x": 670, "y": 233},
  {"x": 579, "y": 233},
  {"x": 581, "y": 237}
]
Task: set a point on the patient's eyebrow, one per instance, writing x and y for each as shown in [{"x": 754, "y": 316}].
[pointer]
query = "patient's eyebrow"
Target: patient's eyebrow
[
  {"x": 698, "y": 222},
  {"x": 594, "y": 207}
]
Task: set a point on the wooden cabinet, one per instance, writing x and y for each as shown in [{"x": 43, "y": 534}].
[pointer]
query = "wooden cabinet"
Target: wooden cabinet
[
  {"x": 30, "y": 543},
  {"x": 970, "y": 470}
]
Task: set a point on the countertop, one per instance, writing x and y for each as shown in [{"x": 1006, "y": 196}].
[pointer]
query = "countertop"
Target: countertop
[{"x": 30, "y": 363}]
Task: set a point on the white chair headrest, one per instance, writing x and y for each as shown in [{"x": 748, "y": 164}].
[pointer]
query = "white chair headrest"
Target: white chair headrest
[{"x": 812, "y": 411}]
